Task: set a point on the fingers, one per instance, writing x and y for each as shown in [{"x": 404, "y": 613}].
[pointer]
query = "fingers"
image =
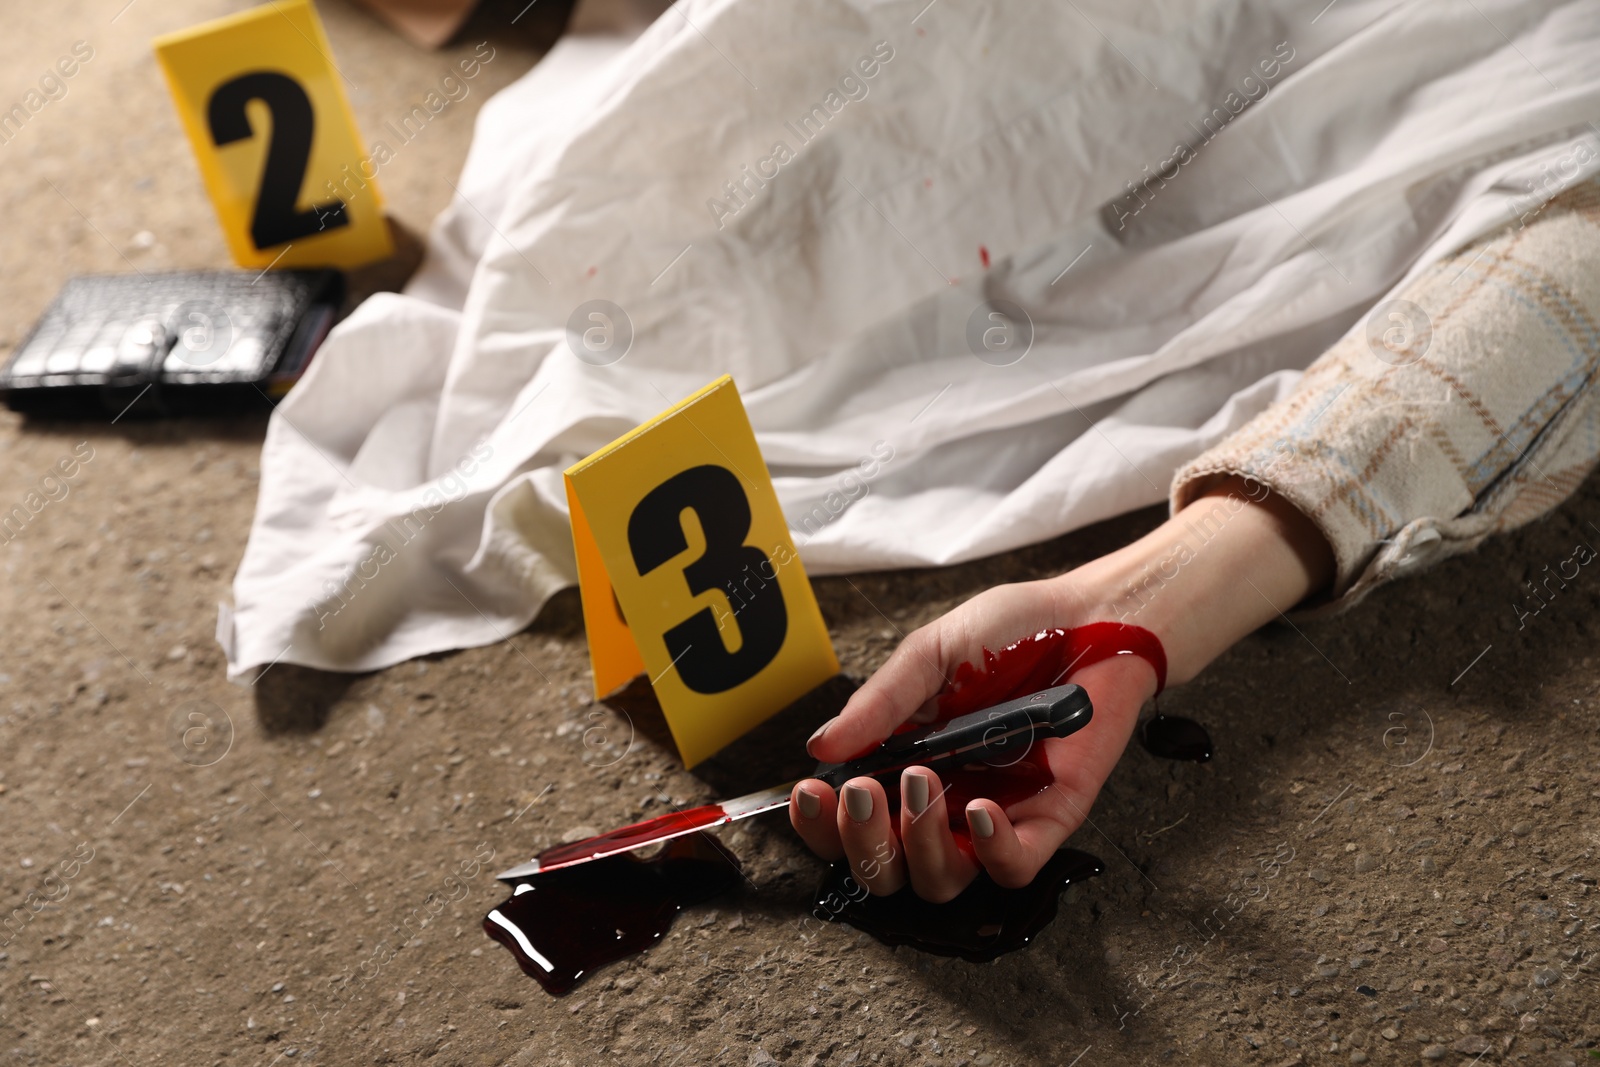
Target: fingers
[
  {"x": 856, "y": 824},
  {"x": 1012, "y": 854},
  {"x": 911, "y": 676},
  {"x": 938, "y": 868},
  {"x": 868, "y": 837},
  {"x": 811, "y": 813}
]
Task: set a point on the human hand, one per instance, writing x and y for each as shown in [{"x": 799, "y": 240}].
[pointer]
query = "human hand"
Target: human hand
[{"x": 1008, "y": 821}]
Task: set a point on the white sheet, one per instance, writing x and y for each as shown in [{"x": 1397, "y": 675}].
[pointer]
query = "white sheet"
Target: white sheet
[{"x": 839, "y": 294}]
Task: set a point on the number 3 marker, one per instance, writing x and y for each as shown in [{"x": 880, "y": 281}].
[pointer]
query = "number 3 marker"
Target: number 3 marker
[
  {"x": 656, "y": 536},
  {"x": 277, "y": 146},
  {"x": 680, "y": 520}
]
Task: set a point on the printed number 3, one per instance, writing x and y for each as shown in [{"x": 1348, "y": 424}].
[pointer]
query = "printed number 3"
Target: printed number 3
[
  {"x": 276, "y": 221},
  {"x": 655, "y": 534}
]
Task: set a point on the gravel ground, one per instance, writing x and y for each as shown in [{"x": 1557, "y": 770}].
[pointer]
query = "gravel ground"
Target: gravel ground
[{"x": 1391, "y": 858}]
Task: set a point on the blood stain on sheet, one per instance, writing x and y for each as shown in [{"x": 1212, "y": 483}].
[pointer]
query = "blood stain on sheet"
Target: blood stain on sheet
[
  {"x": 983, "y": 254},
  {"x": 564, "y": 924},
  {"x": 986, "y": 920}
]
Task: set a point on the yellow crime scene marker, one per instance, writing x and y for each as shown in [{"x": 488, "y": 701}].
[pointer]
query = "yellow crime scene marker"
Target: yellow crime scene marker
[
  {"x": 261, "y": 100},
  {"x": 689, "y": 576}
]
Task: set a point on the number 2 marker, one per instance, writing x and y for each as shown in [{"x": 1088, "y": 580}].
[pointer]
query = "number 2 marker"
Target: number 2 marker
[{"x": 267, "y": 118}]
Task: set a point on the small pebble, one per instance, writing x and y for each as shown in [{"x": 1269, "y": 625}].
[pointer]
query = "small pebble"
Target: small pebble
[{"x": 1390, "y": 1033}]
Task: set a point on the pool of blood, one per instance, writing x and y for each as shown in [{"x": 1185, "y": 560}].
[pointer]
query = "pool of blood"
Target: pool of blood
[
  {"x": 986, "y": 920},
  {"x": 1175, "y": 737},
  {"x": 562, "y": 925}
]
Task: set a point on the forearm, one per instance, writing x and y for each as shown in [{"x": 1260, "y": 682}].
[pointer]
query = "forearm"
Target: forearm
[
  {"x": 1232, "y": 560},
  {"x": 1468, "y": 405}
]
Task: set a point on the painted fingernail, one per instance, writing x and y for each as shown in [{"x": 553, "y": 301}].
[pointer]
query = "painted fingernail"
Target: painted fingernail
[
  {"x": 915, "y": 785},
  {"x": 810, "y": 803},
  {"x": 982, "y": 825},
  {"x": 814, "y": 738},
  {"x": 857, "y": 803}
]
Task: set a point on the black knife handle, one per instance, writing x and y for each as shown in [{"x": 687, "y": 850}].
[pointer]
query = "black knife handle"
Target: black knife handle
[{"x": 999, "y": 735}]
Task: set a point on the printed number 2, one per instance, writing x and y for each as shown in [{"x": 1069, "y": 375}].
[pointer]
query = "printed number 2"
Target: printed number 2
[
  {"x": 276, "y": 221},
  {"x": 655, "y": 534}
]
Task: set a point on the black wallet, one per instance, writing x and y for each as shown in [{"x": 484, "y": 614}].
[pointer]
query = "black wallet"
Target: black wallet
[{"x": 179, "y": 343}]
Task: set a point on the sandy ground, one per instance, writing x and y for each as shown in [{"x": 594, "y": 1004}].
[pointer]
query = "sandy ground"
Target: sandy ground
[{"x": 1413, "y": 787}]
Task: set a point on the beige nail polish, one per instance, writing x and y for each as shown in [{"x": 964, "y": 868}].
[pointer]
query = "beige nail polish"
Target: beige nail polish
[
  {"x": 916, "y": 791},
  {"x": 810, "y": 803},
  {"x": 982, "y": 825},
  {"x": 857, "y": 803},
  {"x": 819, "y": 732}
]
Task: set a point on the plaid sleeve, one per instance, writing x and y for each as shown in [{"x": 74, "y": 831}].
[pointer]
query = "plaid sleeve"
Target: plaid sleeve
[{"x": 1463, "y": 407}]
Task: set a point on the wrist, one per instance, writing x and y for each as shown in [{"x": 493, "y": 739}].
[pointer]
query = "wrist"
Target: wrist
[{"x": 1235, "y": 558}]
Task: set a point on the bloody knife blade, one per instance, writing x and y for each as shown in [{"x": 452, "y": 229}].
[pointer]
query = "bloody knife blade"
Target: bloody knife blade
[{"x": 1001, "y": 734}]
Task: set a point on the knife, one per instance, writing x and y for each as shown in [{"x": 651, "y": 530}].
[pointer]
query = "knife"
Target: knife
[{"x": 1000, "y": 735}]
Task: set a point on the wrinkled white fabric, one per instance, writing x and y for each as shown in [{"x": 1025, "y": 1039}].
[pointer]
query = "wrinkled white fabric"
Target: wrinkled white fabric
[{"x": 1003, "y": 155}]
